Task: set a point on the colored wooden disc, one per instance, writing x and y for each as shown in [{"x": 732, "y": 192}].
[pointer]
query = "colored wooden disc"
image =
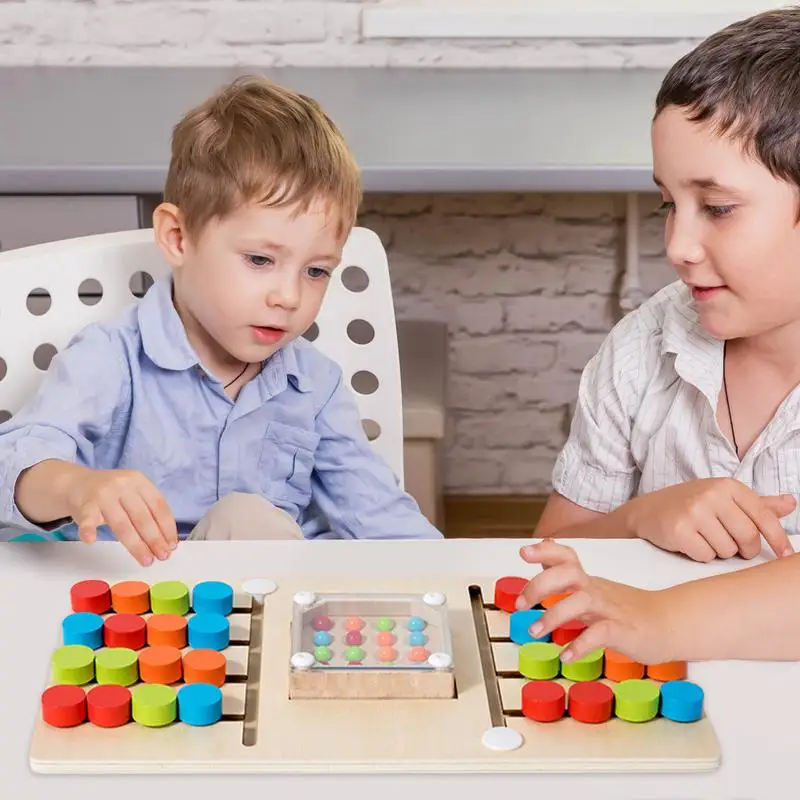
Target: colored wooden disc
[
  {"x": 520, "y": 624},
  {"x": 539, "y": 661},
  {"x": 160, "y": 664},
  {"x": 125, "y": 630},
  {"x": 543, "y": 701},
  {"x": 154, "y": 705},
  {"x": 636, "y": 700},
  {"x": 93, "y": 597},
  {"x": 568, "y": 632},
  {"x": 167, "y": 629},
  {"x": 209, "y": 632},
  {"x": 73, "y": 664},
  {"x": 64, "y": 706},
  {"x": 204, "y": 666},
  {"x": 590, "y": 702},
  {"x": 169, "y": 597},
  {"x": 213, "y": 597},
  {"x": 109, "y": 706},
  {"x": 506, "y": 592},
  {"x": 550, "y": 601},
  {"x": 668, "y": 671},
  {"x": 681, "y": 701},
  {"x": 130, "y": 597},
  {"x": 83, "y": 627},
  {"x": 199, "y": 704},
  {"x": 117, "y": 665},
  {"x": 588, "y": 668},
  {"x": 619, "y": 667}
]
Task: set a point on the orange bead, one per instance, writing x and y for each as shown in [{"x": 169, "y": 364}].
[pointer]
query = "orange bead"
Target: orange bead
[
  {"x": 668, "y": 671},
  {"x": 386, "y": 639},
  {"x": 553, "y": 599},
  {"x": 160, "y": 664},
  {"x": 130, "y": 597},
  {"x": 620, "y": 668},
  {"x": 387, "y": 654}
]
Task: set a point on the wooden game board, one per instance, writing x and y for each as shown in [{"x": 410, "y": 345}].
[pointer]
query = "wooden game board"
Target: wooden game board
[{"x": 263, "y": 730}]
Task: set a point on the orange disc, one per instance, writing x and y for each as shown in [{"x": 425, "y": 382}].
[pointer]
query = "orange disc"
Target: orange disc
[
  {"x": 160, "y": 664},
  {"x": 130, "y": 597},
  {"x": 620, "y": 668},
  {"x": 553, "y": 599},
  {"x": 167, "y": 629},
  {"x": 204, "y": 666},
  {"x": 668, "y": 671}
]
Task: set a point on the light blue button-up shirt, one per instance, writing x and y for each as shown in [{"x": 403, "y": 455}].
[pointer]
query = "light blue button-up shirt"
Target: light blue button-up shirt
[{"x": 132, "y": 394}]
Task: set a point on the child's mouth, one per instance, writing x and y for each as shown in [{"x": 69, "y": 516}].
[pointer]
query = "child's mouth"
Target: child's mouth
[
  {"x": 705, "y": 292},
  {"x": 267, "y": 334}
]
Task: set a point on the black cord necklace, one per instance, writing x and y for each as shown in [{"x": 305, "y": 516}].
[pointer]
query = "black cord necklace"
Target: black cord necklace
[
  {"x": 727, "y": 399},
  {"x": 237, "y": 377}
]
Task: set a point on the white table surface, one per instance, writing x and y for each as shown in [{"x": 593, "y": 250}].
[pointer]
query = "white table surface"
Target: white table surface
[{"x": 753, "y": 705}]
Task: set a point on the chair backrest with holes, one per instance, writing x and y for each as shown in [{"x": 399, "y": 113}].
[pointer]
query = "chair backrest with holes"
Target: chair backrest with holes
[{"x": 49, "y": 292}]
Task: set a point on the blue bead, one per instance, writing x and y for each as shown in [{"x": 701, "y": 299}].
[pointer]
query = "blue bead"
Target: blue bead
[
  {"x": 520, "y": 623},
  {"x": 322, "y": 638},
  {"x": 209, "y": 632},
  {"x": 83, "y": 628},
  {"x": 212, "y": 597},
  {"x": 416, "y": 624},
  {"x": 417, "y": 639},
  {"x": 199, "y": 704},
  {"x": 681, "y": 701}
]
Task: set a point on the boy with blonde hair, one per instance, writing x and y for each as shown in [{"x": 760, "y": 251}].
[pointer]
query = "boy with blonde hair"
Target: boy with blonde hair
[{"x": 202, "y": 412}]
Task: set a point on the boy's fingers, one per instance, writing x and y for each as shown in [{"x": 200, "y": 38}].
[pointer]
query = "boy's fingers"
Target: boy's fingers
[
  {"x": 126, "y": 534},
  {"x": 555, "y": 580},
  {"x": 576, "y": 605},
  {"x": 144, "y": 524},
  {"x": 765, "y": 513},
  {"x": 597, "y": 635},
  {"x": 88, "y": 523},
  {"x": 162, "y": 515},
  {"x": 548, "y": 553}
]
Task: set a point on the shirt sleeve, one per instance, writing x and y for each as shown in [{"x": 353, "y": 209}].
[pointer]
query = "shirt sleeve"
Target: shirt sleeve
[
  {"x": 596, "y": 468},
  {"x": 75, "y": 406},
  {"x": 353, "y": 486}
]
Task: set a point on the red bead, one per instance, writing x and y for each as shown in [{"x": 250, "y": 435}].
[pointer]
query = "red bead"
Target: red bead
[
  {"x": 506, "y": 592},
  {"x": 64, "y": 706},
  {"x": 543, "y": 701},
  {"x": 568, "y": 632},
  {"x": 109, "y": 706},
  {"x": 590, "y": 701},
  {"x": 125, "y": 630},
  {"x": 91, "y": 596}
]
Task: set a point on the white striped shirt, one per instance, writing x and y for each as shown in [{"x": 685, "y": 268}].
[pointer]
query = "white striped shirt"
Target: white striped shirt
[{"x": 646, "y": 416}]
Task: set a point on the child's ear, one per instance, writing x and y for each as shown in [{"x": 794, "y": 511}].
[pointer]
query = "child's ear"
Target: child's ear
[{"x": 169, "y": 232}]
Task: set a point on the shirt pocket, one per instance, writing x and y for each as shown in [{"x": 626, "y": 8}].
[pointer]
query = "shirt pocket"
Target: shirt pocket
[{"x": 287, "y": 462}]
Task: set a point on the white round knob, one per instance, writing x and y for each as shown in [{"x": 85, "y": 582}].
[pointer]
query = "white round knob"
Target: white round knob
[
  {"x": 302, "y": 661},
  {"x": 440, "y": 660},
  {"x": 501, "y": 739},
  {"x": 304, "y": 598},
  {"x": 259, "y": 587},
  {"x": 434, "y": 599}
]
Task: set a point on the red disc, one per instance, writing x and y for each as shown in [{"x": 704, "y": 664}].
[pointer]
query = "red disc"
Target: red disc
[
  {"x": 506, "y": 592},
  {"x": 543, "y": 701},
  {"x": 64, "y": 706},
  {"x": 91, "y": 596},
  {"x": 590, "y": 701},
  {"x": 567, "y": 632},
  {"x": 109, "y": 706},
  {"x": 125, "y": 630}
]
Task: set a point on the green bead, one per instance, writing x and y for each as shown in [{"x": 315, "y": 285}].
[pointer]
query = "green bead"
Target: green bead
[
  {"x": 636, "y": 700},
  {"x": 169, "y": 597},
  {"x": 539, "y": 661},
  {"x": 588, "y": 668},
  {"x": 354, "y": 653},
  {"x": 117, "y": 665},
  {"x": 154, "y": 705},
  {"x": 385, "y": 624},
  {"x": 323, "y": 653},
  {"x": 73, "y": 664}
]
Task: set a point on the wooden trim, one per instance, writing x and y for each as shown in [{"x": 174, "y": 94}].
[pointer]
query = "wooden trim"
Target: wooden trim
[{"x": 485, "y": 515}]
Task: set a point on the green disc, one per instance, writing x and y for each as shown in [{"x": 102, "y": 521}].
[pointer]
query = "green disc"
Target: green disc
[
  {"x": 539, "y": 660},
  {"x": 636, "y": 700},
  {"x": 588, "y": 668},
  {"x": 73, "y": 664},
  {"x": 154, "y": 705},
  {"x": 117, "y": 665},
  {"x": 169, "y": 597}
]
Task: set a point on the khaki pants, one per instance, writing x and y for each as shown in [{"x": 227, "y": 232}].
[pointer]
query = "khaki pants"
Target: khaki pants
[{"x": 245, "y": 516}]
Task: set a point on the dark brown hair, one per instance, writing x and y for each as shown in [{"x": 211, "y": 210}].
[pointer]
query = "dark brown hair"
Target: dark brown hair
[
  {"x": 745, "y": 81},
  {"x": 256, "y": 142}
]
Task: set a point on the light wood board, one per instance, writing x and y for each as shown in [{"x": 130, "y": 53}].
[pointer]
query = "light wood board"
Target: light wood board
[{"x": 353, "y": 736}]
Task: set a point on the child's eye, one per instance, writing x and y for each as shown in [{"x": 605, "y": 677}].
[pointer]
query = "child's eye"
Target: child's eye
[
  {"x": 258, "y": 261},
  {"x": 318, "y": 272},
  {"x": 718, "y": 211},
  {"x": 667, "y": 206}
]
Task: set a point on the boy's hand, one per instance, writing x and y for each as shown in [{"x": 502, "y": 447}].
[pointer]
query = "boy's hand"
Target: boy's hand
[
  {"x": 617, "y": 616},
  {"x": 711, "y": 518},
  {"x": 130, "y": 505}
]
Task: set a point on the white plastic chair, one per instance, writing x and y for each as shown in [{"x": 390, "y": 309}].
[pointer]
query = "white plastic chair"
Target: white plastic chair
[{"x": 355, "y": 326}]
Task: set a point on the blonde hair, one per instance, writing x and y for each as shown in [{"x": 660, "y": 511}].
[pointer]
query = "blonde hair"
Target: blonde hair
[{"x": 256, "y": 142}]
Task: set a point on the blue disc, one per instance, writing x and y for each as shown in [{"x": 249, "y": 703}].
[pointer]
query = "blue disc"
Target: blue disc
[
  {"x": 83, "y": 628},
  {"x": 322, "y": 638},
  {"x": 209, "y": 632},
  {"x": 417, "y": 639},
  {"x": 681, "y": 701},
  {"x": 416, "y": 624},
  {"x": 212, "y": 597},
  {"x": 199, "y": 704},
  {"x": 520, "y": 623}
]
